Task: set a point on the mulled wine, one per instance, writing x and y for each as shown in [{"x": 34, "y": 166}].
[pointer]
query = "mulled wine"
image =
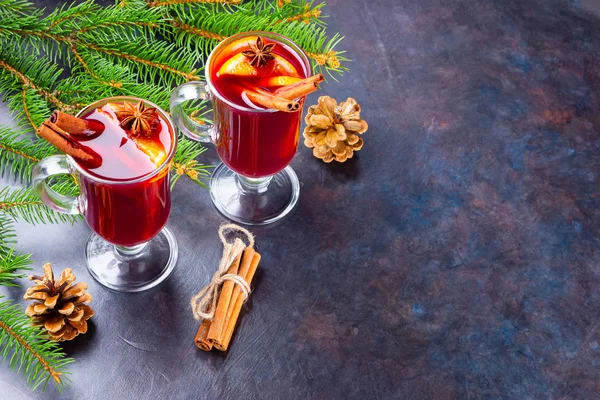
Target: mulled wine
[
  {"x": 121, "y": 151},
  {"x": 256, "y": 142},
  {"x": 257, "y": 83},
  {"x": 123, "y": 200}
]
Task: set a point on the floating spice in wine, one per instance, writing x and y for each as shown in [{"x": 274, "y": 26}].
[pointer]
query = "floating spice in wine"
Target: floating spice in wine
[
  {"x": 82, "y": 129},
  {"x": 66, "y": 143}
]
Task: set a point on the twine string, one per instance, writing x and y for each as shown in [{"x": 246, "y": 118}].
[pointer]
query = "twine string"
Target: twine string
[{"x": 204, "y": 303}]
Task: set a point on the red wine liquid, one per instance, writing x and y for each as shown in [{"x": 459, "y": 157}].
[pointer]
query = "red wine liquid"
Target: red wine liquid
[
  {"x": 254, "y": 144},
  {"x": 124, "y": 213}
]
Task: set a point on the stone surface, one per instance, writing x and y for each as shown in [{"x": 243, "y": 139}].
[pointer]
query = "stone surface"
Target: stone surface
[{"x": 455, "y": 257}]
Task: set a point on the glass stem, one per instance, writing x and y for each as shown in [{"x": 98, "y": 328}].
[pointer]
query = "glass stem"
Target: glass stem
[
  {"x": 129, "y": 252},
  {"x": 253, "y": 185}
]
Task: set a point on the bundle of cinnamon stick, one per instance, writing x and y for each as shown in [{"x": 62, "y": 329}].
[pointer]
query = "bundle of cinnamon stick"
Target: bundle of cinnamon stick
[
  {"x": 217, "y": 332},
  {"x": 284, "y": 98}
]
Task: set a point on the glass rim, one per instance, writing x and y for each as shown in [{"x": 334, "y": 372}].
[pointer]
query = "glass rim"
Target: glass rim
[
  {"x": 272, "y": 35},
  {"x": 141, "y": 178}
]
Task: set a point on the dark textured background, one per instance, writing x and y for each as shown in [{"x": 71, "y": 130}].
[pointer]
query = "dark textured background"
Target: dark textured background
[{"x": 457, "y": 256}]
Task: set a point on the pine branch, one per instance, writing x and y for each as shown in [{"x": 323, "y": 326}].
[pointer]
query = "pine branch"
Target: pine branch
[
  {"x": 10, "y": 263},
  {"x": 19, "y": 152},
  {"x": 163, "y": 63},
  {"x": 7, "y": 235},
  {"x": 18, "y": 6},
  {"x": 17, "y": 14},
  {"x": 163, "y": 3},
  {"x": 184, "y": 162},
  {"x": 288, "y": 11},
  {"x": 69, "y": 12},
  {"x": 27, "y": 350},
  {"x": 125, "y": 85},
  {"x": 28, "y": 83},
  {"x": 89, "y": 18},
  {"x": 24, "y": 203},
  {"x": 123, "y": 35}
]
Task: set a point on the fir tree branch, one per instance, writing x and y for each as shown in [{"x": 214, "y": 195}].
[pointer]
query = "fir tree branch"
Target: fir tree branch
[
  {"x": 27, "y": 83},
  {"x": 14, "y": 15},
  {"x": 10, "y": 263},
  {"x": 7, "y": 235},
  {"x": 184, "y": 162},
  {"x": 182, "y": 26},
  {"x": 19, "y": 152},
  {"x": 20, "y": 6},
  {"x": 145, "y": 61},
  {"x": 124, "y": 37},
  {"x": 124, "y": 23},
  {"x": 86, "y": 67},
  {"x": 72, "y": 42},
  {"x": 27, "y": 350},
  {"x": 25, "y": 204},
  {"x": 65, "y": 16},
  {"x": 29, "y": 80},
  {"x": 26, "y": 110},
  {"x": 306, "y": 12},
  {"x": 179, "y": 2}
]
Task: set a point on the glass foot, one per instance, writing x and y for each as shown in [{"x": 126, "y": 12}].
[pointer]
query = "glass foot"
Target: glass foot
[
  {"x": 132, "y": 269},
  {"x": 254, "y": 201}
]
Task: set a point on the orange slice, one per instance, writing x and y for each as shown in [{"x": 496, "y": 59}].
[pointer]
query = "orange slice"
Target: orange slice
[
  {"x": 277, "y": 81},
  {"x": 238, "y": 46},
  {"x": 153, "y": 149},
  {"x": 239, "y": 65},
  {"x": 281, "y": 66}
]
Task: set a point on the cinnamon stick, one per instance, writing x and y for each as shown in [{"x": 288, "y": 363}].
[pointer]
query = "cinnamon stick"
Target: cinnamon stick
[
  {"x": 246, "y": 258},
  {"x": 302, "y": 88},
  {"x": 215, "y": 332},
  {"x": 65, "y": 143},
  {"x": 269, "y": 100},
  {"x": 201, "y": 339},
  {"x": 77, "y": 127},
  {"x": 236, "y": 306}
]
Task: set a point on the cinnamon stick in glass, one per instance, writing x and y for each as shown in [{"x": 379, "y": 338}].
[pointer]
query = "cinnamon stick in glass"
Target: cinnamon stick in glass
[
  {"x": 201, "y": 339},
  {"x": 65, "y": 143},
  {"x": 217, "y": 324},
  {"x": 302, "y": 88},
  {"x": 250, "y": 263},
  {"x": 77, "y": 127},
  {"x": 269, "y": 100}
]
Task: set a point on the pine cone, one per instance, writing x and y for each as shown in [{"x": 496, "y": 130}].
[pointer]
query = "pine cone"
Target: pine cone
[
  {"x": 59, "y": 306},
  {"x": 332, "y": 130}
]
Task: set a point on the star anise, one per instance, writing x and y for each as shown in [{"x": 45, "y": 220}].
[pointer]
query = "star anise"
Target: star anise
[
  {"x": 259, "y": 53},
  {"x": 138, "y": 118}
]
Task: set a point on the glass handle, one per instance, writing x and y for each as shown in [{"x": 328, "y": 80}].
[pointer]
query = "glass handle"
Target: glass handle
[
  {"x": 191, "y": 128},
  {"x": 48, "y": 167}
]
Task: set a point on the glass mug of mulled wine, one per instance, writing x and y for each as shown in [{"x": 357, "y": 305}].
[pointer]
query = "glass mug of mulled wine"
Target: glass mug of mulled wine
[
  {"x": 254, "y": 184},
  {"x": 125, "y": 193}
]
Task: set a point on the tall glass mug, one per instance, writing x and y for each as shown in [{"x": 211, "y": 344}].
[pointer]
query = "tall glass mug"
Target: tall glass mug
[
  {"x": 254, "y": 184},
  {"x": 131, "y": 249}
]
